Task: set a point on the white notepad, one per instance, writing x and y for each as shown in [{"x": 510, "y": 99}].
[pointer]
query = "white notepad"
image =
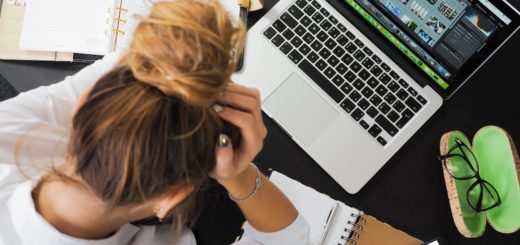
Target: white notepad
[
  {"x": 85, "y": 26},
  {"x": 315, "y": 207}
]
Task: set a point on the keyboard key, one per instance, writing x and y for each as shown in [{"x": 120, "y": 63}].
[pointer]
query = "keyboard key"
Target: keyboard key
[
  {"x": 363, "y": 104},
  {"x": 305, "y": 21},
  {"x": 384, "y": 108},
  {"x": 326, "y": 25},
  {"x": 321, "y": 64},
  {"x": 342, "y": 40},
  {"x": 350, "y": 35},
  {"x": 357, "y": 114},
  {"x": 313, "y": 57},
  {"x": 372, "y": 82},
  {"x": 412, "y": 92},
  {"x": 333, "y": 61},
  {"x": 317, "y": 17},
  {"x": 295, "y": 57},
  {"x": 381, "y": 141},
  {"x": 355, "y": 96},
  {"x": 296, "y": 42},
  {"x": 372, "y": 112},
  {"x": 334, "y": 32},
  {"x": 386, "y": 125},
  {"x": 341, "y": 69},
  {"x": 350, "y": 47},
  {"x": 406, "y": 116},
  {"x": 324, "y": 12},
  {"x": 394, "y": 75},
  {"x": 286, "y": 48},
  {"x": 338, "y": 51},
  {"x": 399, "y": 106},
  {"x": 269, "y": 33},
  {"x": 393, "y": 116},
  {"x": 359, "y": 43},
  {"x": 403, "y": 83},
  {"x": 381, "y": 90},
  {"x": 288, "y": 34},
  {"x": 368, "y": 63},
  {"x": 300, "y": 31},
  {"x": 421, "y": 100},
  {"x": 401, "y": 94},
  {"x": 330, "y": 44},
  {"x": 385, "y": 78},
  {"x": 314, "y": 28},
  {"x": 368, "y": 51},
  {"x": 346, "y": 88},
  {"x": 324, "y": 53},
  {"x": 375, "y": 130},
  {"x": 359, "y": 55},
  {"x": 390, "y": 98},
  {"x": 364, "y": 124},
  {"x": 342, "y": 27},
  {"x": 289, "y": 20},
  {"x": 301, "y": 3},
  {"x": 278, "y": 40},
  {"x": 309, "y": 10},
  {"x": 376, "y": 71},
  {"x": 358, "y": 84},
  {"x": 377, "y": 59},
  {"x": 316, "y": 45},
  {"x": 316, "y": 4},
  {"x": 338, "y": 80},
  {"x": 364, "y": 74},
  {"x": 333, "y": 20},
  {"x": 350, "y": 76},
  {"x": 348, "y": 105},
  {"x": 385, "y": 67},
  {"x": 376, "y": 100},
  {"x": 413, "y": 104},
  {"x": 322, "y": 36},
  {"x": 329, "y": 72},
  {"x": 355, "y": 67},
  {"x": 296, "y": 12},
  {"x": 367, "y": 92},
  {"x": 308, "y": 38},
  {"x": 279, "y": 26},
  {"x": 304, "y": 49},
  {"x": 393, "y": 86},
  {"x": 322, "y": 81},
  {"x": 347, "y": 59}
]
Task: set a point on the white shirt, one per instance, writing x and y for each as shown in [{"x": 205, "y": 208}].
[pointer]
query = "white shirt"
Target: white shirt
[{"x": 45, "y": 113}]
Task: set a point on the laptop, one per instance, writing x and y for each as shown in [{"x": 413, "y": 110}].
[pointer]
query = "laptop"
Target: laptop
[{"x": 352, "y": 80}]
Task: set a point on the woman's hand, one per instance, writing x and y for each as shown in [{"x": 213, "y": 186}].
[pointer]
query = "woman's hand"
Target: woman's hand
[{"x": 240, "y": 106}]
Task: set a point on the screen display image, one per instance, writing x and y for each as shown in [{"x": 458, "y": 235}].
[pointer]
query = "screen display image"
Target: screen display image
[{"x": 446, "y": 39}]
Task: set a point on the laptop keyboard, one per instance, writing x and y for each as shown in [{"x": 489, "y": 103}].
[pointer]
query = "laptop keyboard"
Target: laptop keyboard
[{"x": 349, "y": 72}]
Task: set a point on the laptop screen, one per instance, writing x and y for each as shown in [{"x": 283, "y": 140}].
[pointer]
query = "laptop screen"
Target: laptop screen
[{"x": 446, "y": 39}]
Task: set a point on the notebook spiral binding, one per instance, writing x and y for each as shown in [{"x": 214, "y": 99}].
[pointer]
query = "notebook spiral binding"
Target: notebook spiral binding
[
  {"x": 351, "y": 229},
  {"x": 115, "y": 20}
]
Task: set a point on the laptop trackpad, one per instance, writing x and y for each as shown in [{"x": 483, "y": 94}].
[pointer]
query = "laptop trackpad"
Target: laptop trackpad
[{"x": 300, "y": 109}]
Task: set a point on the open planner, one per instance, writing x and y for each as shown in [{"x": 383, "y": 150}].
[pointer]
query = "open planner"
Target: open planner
[
  {"x": 85, "y": 26},
  {"x": 332, "y": 222}
]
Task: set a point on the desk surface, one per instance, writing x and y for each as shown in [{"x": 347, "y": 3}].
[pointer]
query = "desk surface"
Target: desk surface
[{"x": 408, "y": 192}]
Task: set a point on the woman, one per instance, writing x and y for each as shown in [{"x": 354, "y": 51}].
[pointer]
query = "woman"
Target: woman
[{"x": 148, "y": 129}]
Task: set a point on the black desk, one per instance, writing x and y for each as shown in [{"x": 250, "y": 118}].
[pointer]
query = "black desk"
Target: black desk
[{"x": 408, "y": 192}]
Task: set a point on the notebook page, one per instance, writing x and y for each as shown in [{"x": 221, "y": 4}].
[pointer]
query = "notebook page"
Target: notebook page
[
  {"x": 67, "y": 25},
  {"x": 340, "y": 228},
  {"x": 312, "y": 205}
]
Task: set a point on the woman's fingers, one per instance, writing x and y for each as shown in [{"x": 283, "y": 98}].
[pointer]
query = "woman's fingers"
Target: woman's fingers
[
  {"x": 224, "y": 157},
  {"x": 241, "y": 102},
  {"x": 251, "y": 92}
]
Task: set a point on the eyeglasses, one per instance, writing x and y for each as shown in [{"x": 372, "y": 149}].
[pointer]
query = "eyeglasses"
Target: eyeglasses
[{"x": 481, "y": 195}]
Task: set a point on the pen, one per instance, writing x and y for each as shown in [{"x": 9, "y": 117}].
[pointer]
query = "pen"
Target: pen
[
  {"x": 328, "y": 222},
  {"x": 244, "y": 11}
]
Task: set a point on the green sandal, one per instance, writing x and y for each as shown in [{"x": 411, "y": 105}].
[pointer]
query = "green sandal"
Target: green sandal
[{"x": 499, "y": 165}]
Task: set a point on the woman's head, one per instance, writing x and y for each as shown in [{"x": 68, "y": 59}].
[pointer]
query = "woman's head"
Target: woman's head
[{"x": 147, "y": 126}]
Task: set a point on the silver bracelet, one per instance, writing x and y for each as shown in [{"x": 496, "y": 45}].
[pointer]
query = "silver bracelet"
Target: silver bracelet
[{"x": 258, "y": 184}]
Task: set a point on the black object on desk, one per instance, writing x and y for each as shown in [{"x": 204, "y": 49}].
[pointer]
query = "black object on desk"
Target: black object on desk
[{"x": 7, "y": 90}]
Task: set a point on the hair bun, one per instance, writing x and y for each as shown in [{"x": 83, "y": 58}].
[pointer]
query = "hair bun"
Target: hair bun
[{"x": 186, "y": 48}]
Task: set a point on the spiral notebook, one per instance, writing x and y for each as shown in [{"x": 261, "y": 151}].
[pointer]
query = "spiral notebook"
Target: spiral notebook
[{"x": 332, "y": 222}]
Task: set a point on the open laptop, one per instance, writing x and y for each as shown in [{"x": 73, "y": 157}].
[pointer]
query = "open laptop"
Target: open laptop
[{"x": 352, "y": 80}]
